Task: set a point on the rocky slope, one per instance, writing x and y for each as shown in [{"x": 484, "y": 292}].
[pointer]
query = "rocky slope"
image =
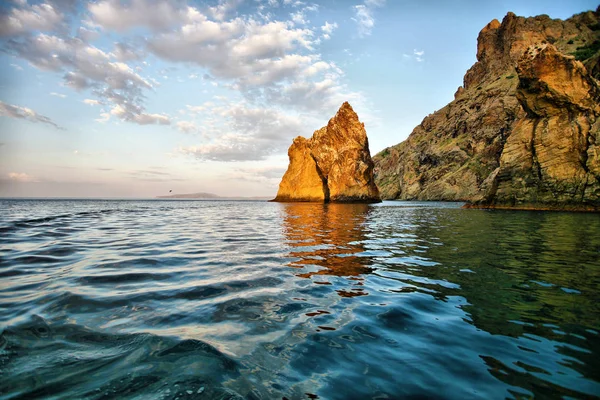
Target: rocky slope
[
  {"x": 335, "y": 165},
  {"x": 523, "y": 129}
]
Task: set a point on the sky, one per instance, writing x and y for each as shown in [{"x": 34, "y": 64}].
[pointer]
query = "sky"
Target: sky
[{"x": 137, "y": 98}]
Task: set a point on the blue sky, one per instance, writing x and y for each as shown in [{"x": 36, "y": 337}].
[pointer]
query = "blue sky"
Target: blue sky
[{"x": 135, "y": 98}]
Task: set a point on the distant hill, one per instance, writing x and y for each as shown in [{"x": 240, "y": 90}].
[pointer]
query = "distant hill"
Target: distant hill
[{"x": 208, "y": 196}]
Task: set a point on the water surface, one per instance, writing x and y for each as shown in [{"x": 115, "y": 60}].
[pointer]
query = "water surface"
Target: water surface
[{"x": 256, "y": 300}]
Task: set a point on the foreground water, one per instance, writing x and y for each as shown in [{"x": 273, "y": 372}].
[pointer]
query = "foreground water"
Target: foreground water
[{"x": 256, "y": 300}]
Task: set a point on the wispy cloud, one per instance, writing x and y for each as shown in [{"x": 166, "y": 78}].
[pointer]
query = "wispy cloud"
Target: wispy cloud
[
  {"x": 26, "y": 18},
  {"x": 12, "y": 111},
  {"x": 86, "y": 67},
  {"x": 104, "y": 117},
  {"x": 363, "y": 16},
  {"x": 150, "y": 175},
  {"x": 252, "y": 133},
  {"x": 20, "y": 177},
  {"x": 186, "y": 126},
  {"x": 272, "y": 69},
  {"x": 328, "y": 29},
  {"x": 270, "y": 175},
  {"x": 417, "y": 55}
]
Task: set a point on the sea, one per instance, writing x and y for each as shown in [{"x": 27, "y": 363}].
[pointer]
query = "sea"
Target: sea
[{"x": 189, "y": 299}]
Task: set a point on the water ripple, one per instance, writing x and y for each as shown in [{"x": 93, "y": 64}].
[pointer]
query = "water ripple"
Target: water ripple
[{"x": 213, "y": 299}]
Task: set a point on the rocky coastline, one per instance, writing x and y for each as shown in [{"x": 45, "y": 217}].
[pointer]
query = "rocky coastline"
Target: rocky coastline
[{"x": 523, "y": 132}]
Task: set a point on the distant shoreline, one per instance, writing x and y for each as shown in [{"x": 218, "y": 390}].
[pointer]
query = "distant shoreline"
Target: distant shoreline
[
  {"x": 210, "y": 196},
  {"x": 158, "y": 198}
]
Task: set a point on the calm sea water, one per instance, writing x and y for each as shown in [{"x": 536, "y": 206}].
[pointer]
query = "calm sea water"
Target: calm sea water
[{"x": 256, "y": 300}]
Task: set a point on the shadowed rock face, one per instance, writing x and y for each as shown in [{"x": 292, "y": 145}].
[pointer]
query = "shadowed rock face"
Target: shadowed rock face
[
  {"x": 521, "y": 132},
  {"x": 335, "y": 165}
]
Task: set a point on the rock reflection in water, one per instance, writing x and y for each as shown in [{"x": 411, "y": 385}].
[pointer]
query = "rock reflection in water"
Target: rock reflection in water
[{"x": 326, "y": 240}]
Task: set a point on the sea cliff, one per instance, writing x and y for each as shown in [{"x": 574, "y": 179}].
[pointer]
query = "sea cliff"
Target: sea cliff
[{"x": 522, "y": 132}]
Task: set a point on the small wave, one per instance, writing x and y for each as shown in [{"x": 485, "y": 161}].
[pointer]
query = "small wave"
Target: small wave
[
  {"x": 123, "y": 278},
  {"x": 40, "y": 359},
  {"x": 35, "y": 222},
  {"x": 37, "y": 259}
]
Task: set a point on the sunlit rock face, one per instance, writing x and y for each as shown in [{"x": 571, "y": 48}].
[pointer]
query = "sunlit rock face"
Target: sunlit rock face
[
  {"x": 522, "y": 131},
  {"x": 552, "y": 156},
  {"x": 335, "y": 165}
]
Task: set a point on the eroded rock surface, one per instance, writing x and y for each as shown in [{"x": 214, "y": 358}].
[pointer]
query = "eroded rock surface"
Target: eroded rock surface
[
  {"x": 552, "y": 156},
  {"x": 335, "y": 165},
  {"x": 521, "y": 132}
]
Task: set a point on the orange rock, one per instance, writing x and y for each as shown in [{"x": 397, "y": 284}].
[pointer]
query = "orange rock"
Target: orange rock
[
  {"x": 335, "y": 165},
  {"x": 550, "y": 157},
  {"x": 301, "y": 181}
]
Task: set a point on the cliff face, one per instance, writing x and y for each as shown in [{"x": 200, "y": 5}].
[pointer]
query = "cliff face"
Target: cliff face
[
  {"x": 335, "y": 165},
  {"x": 552, "y": 156},
  {"x": 521, "y": 131}
]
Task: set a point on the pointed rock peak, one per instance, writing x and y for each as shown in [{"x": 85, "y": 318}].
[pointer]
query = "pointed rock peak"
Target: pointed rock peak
[
  {"x": 334, "y": 165},
  {"x": 347, "y": 112},
  {"x": 346, "y": 107},
  {"x": 509, "y": 15},
  {"x": 494, "y": 24},
  {"x": 345, "y": 122}
]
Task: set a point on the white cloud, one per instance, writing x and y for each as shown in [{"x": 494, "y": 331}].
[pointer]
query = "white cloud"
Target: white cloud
[
  {"x": 228, "y": 148},
  {"x": 198, "y": 109},
  {"x": 12, "y": 111},
  {"x": 258, "y": 58},
  {"x": 62, "y": 96},
  {"x": 88, "y": 35},
  {"x": 247, "y": 52},
  {"x": 262, "y": 123},
  {"x": 328, "y": 29},
  {"x": 104, "y": 117},
  {"x": 374, "y": 3},
  {"x": 186, "y": 126},
  {"x": 253, "y": 133},
  {"x": 88, "y": 67},
  {"x": 317, "y": 67},
  {"x": 17, "y": 67},
  {"x": 418, "y": 55},
  {"x": 269, "y": 176},
  {"x": 299, "y": 17},
  {"x": 125, "y": 52},
  {"x": 220, "y": 11},
  {"x": 157, "y": 15},
  {"x": 125, "y": 113},
  {"x": 363, "y": 16},
  {"x": 21, "y": 177},
  {"x": 325, "y": 95},
  {"x": 37, "y": 17},
  {"x": 122, "y": 16},
  {"x": 264, "y": 60},
  {"x": 148, "y": 119}
]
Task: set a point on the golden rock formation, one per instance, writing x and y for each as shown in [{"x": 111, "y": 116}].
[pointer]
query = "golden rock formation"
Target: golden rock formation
[{"x": 335, "y": 165}]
